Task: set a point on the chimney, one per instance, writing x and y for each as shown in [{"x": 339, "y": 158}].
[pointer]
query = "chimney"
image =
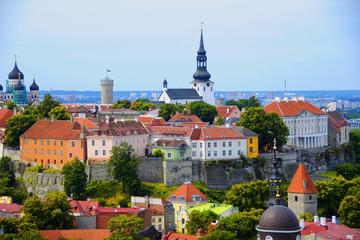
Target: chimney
[
  {"x": 277, "y": 99},
  {"x": 302, "y": 223},
  {"x": 286, "y": 99},
  {"x": 333, "y": 219},
  {"x": 323, "y": 221},
  {"x": 228, "y": 125},
  {"x": 196, "y": 126},
  {"x": 147, "y": 201},
  {"x": 227, "y": 110},
  {"x": 316, "y": 218}
]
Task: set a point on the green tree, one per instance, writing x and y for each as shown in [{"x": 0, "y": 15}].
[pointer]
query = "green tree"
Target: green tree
[
  {"x": 142, "y": 104},
  {"x": 9, "y": 104},
  {"x": 203, "y": 110},
  {"x": 157, "y": 153},
  {"x": 248, "y": 195},
  {"x": 122, "y": 104},
  {"x": 219, "y": 235},
  {"x": 267, "y": 125},
  {"x": 200, "y": 220},
  {"x": 245, "y": 103},
  {"x": 123, "y": 164},
  {"x": 167, "y": 110},
  {"x": 17, "y": 125},
  {"x": 349, "y": 210},
  {"x": 46, "y": 105},
  {"x": 353, "y": 147},
  {"x": 75, "y": 179},
  {"x": 59, "y": 113},
  {"x": 348, "y": 170},
  {"x": 51, "y": 213},
  {"x": 125, "y": 227},
  {"x": 242, "y": 223},
  {"x": 308, "y": 217},
  {"x": 220, "y": 121},
  {"x": 18, "y": 229}
]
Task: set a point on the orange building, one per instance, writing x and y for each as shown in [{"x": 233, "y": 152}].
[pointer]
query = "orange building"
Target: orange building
[{"x": 53, "y": 143}]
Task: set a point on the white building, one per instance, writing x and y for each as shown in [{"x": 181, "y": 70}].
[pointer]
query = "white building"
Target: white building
[
  {"x": 201, "y": 87},
  {"x": 307, "y": 124},
  {"x": 217, "y": 143}
]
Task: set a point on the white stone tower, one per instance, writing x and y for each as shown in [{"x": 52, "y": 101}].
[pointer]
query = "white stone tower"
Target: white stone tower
[{"x": 107, "y": 86}]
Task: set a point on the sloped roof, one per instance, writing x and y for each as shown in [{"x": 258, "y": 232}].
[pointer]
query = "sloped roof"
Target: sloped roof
[
  {"x": 178, "y": 236},
  {"x": 226, "y": 111},
  {"x": 83, "y": 207},
  {"x": 151, "y": 121},
  {"x": 169, "y": 143},
  {"x": 118, "y": 210},
  {"x": 336, "y": 120},
  {"x": 211, "y": 133},
  {"x": 330, "y": 231},
  {"x": 187, "y": 190},
  {"x": 292, "y": 108},
  {"x": 247, "y": 132},
  {"x": 301, "y": 182},
  {"x": 87, "y": 123},
  {"x": 56, "y": 129},
  {"x": 120, "y": 128},
  {"x": 5, "y": 114},
  {"x": 10, "y": 208},
  {"x": 168, "y": 130},
  {"x": 83, "y": 234},
  {"x": 179, "y": 117},
  {"x": 183, "y": 93}
]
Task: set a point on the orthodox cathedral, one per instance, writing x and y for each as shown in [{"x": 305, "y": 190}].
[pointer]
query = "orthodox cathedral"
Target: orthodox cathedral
[
  {"x": 16, "y": 90},
  {"x": 202, "y": 88}
]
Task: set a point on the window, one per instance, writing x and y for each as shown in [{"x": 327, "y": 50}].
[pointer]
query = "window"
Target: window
[
  {"x": 96, "y": 152},
  {"x": 310, "y": 197},
  {"x": 209, "y": 154},
  {"x": 230, "y": 152},
  {"x": 181, "y": 198},
  {"x": 48, "y": 152},
  {"x": 296, "y": 198},
  {"x": 54, "y": 152},
  {"x": 70, "y": 155},
  {"x": 215, "y": 153},
  {"x": 159, "y": 219},
  {"x": 35, "y": 151},
  {"x": 48, "y": 142},
  {"x": 183, "y": 221},
  {"x": 194, "y": 145},
  {"x": 215, "y": 144},
  {"x": 104, "y": 152},
  {"x": 201, "y": 145},
  {"x": 230, "y": 144},
  {"x": 193, "y": 154},
  {"x": 201, "y": 154},
  {"x": 61, "y": 143},
  {"x": 153, "y": 220},
  {"x": 54, "y": 161},
  {"x": 103, "y": 142},
  {"x": 73, "y": 143},
  {"x": 48, "y": 161},
  {"x": 224, "y": 153},
  {"x": 251, "y": 149},
  {"x": 41, "y": 142},
  {"x": 169, "y": 155},
  {"x": 41, "y": 152},
  {"x": 93, "y": 142},
  {"x": 209, "y": 144},
  {"x": 159, "y": 227},
  {"x": 224, "y": 144},
  {"x": 54, "y": 142},
  {"x": 239, "y": 153},
  {"x": 61, "y": 152},
  {"x": 35, "y": 141},
  {"x": 251, "y": 141}
]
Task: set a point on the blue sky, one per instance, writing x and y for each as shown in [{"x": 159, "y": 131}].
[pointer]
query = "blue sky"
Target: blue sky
[{"x": 251, "y": 45}]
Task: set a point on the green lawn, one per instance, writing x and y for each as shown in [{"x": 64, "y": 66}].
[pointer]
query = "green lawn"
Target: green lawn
[{"x": 328, "y": 174}]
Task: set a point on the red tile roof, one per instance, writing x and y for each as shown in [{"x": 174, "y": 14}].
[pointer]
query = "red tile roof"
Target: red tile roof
[
  {"x": 331, "y": 231},
  {"x": 84, "y": 207},
  {"x": 57, "y": 129},
  {"x": 83, "y": 234},
  {"x": 292, "y": 108},
  {"x": 118, "y": 210},
  {"x": 186, "y": 190},
  {"x": 87, "y": 123},
  {"x": 301, "y": 182},
  {"x": 5, "y": 114},
  {"x": 178, "y": 236},
  {"x": 10, "y": 208},
  {"x": 168, "y": 130},
  {"x": 228, "y": 111},
  {"x": 336, "y": 120},
  {"x": 120, "y": 128},
  {"x": 216, "y": 133},
  {"x": 179, "y": 117},
  {"x": 151, "y": 121}
]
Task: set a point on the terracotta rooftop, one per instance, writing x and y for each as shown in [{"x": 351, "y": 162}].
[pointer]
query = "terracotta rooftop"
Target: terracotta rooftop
[
  {"x": 118, "y": 210},
  {"x": 301, "y": 182},
  {"x": 170, "y": 143},
  {"x": 5, "y": 114},
  {"x": 10, "y": 208},
  {"x": 211, "y": 133},
  {"x": 292, "y": 108},
  {"x": 83, "y": 207},
  {"x": 120, "y": 128},
  {"x": 179, "y": 117},
  {"x": 188, "y": 191},
  {"x": 227, "y": 111},
  {"x": 330, "y": 231},
  {"x": 151, "y": 121},
  {"x": 80, "y": 234},
  {"x": 56, "y": 129},
  {"x": 336, "y": 120},
  {"x": 87, "y": 123},
  {"x": 178, "y": 236},
  {"x": 169, "y": 130}
]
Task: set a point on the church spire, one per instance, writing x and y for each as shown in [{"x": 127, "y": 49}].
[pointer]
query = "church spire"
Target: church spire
[{"x": 201, "y": 73}]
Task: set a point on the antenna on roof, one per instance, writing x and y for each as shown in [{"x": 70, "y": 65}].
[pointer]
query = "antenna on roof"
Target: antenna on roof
[{"x": 285, "y": 87}]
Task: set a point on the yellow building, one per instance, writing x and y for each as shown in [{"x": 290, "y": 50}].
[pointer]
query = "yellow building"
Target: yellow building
[
  {"x": 252, "y": 142},
  {"x": 184, "y": 197},
  {"x": 5, "y": 199}
]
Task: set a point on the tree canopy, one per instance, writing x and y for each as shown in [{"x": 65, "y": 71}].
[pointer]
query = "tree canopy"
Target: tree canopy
[
  {"x": 349, "y": 210},
  {"x": 46, "y": 105},
  {"x": 249, "y": 195},
  {"x": 75, "y": 179},
  {"x": 122, "y": 104},
  {"x": 125, "y": 227},
  {"x": 142, "y": 104},
  {"x": 267, "y": 125},
  {"x": 203, "y": 110},
  {"x": 244, "y": 103},
  {"x": 59, "y": 113},
  {"x": 123, "y": 164},
  {"x": 200, "y": 220},
  {"x": 219, "y": 235},
  {"x": 167, "y": 110},
  {"x": 17, "y": 125}
]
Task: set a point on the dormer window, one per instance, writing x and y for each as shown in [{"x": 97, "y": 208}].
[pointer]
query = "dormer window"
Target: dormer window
[{"x": 181, "y": 198}]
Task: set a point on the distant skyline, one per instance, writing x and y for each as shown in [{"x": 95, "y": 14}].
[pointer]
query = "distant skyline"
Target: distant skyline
[{"x": 251, "y": 45}]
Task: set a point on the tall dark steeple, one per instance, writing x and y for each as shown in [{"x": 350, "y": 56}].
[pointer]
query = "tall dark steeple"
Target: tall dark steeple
[
  {"x": 14, "y": 74},
  {"x": 201, "y": 73}
]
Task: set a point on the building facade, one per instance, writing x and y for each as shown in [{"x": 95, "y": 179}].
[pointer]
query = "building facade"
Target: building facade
[
  {"x": 339, "y": 129},
  {"x": 172, "y": 149},
  {"x": 307, "y": 124},
  {"x": 252, "y": 141},
  {"x": 16, "y": 89},
  {"x": 107, "y": 86},
  {"x": 202, "y": 88}
]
